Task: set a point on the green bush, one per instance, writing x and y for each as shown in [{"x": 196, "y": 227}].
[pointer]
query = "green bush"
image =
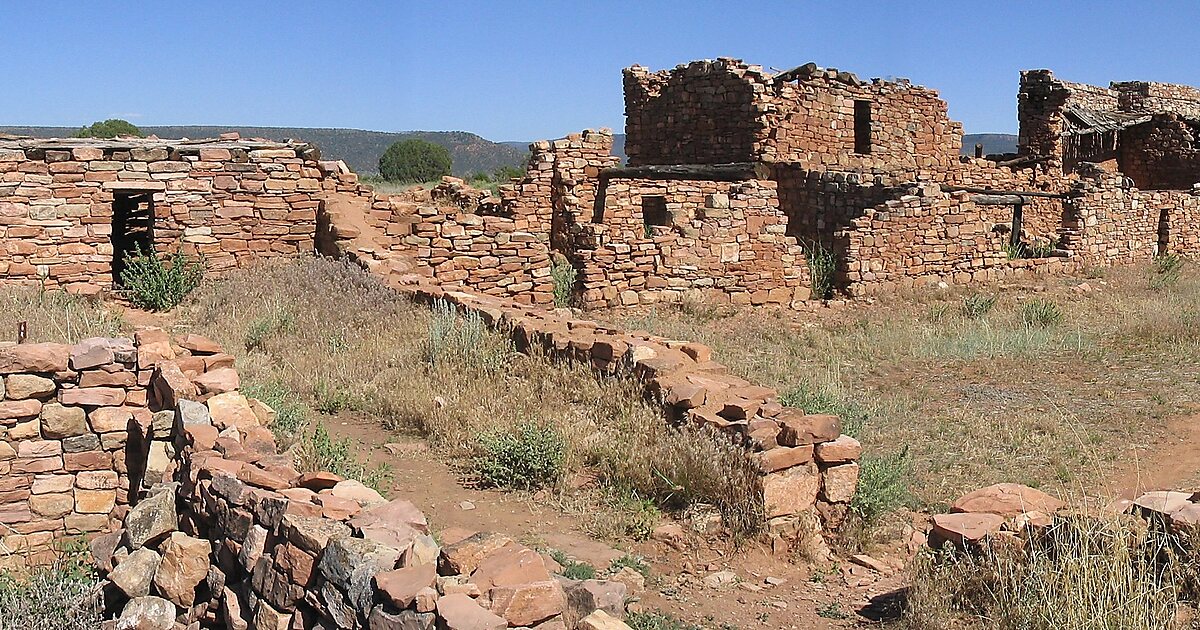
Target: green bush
[
  {"x": 526, "y": 459},
  {"x": 818, "y": 400},
  {"x": 415, "y": 161},
  {"x": 1166, "y": 271},
  {"x": 882, "y": 486},
  {"x": 291, "y": 414},
  {"x": 155, "y": 283},
  {"x": 977, "y": 305},
  {"x": 1041, "y": 313},
  {"x": 110, "y": 128},
  {"x": 563, "y": 273},
  {"x": 637, "y": 563},
  {"x": 458, "y": 342},
  {"x": 822, "y": 265}
]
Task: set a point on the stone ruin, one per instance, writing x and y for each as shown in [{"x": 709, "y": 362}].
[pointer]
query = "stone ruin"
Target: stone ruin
[{"x": 733, "y": 172}]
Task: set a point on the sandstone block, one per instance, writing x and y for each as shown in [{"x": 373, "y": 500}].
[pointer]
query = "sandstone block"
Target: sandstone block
[
  {"x": 460, "y": 612},
  {"x": 1007, "y": 500},
  {"x": 95, "y": 501},
  {"x": 152, "y": 519},
  {"x": 59, "y": 421},
  {"x": 135, "y": 573},
  {"x": 838, "y": 483},
  {"x": 843, "y": 449},
  {"x": 147, "y": 613},
  {"x": 21, "y": 386},
  {"x": 791, "y": 491},
  {"x": 185, "y": 562},
  {"x": 93, "y": 396},
  {"x": 798, "y": 429}
]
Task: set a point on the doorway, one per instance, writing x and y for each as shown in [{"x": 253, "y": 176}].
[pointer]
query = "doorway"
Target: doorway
[{"x": 132, "y": 229}]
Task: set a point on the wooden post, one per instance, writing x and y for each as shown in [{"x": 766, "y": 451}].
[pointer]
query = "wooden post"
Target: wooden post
[
  {"x": 1015, "y": 237},
  {"x": 22, "y": 331},
  {"x": 978, "y": 149}
]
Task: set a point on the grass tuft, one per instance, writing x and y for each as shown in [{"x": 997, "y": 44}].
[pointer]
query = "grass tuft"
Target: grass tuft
[{"x": 155, "y": 283}]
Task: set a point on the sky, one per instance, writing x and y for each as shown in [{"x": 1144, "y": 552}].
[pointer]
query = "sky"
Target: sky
[{"x": 530, "y": 70}]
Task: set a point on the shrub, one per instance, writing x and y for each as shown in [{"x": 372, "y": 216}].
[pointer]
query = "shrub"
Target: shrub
[
  {"x": 1165, "y": 271},
  {"x": 814, "y": 400},
  {"x": 504, "y": 174},
  {"x": 882, "y": 486},
  {"x": 977, "y": 305},
  {"x": 155, "y": 283},
  {"x": 528, "y": 458},
  {"x": 457, "y": 341},
  {"x": 1041, "y": 312},
  {"x": 415, "y": 160},
  {"x": 822, "y": 265},
  {"x": 563, "y": 273},
  {"x": 110, "y": 128},
  {"x": 278, "y": 320},
  {"x": 63, "y": 596}
]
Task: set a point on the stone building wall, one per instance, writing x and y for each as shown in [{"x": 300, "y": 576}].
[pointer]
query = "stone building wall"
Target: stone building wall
[
  {"x": 1162, "y": 153},
  {"x": 931, "y": 236},
  {"x": 813, "y": 117},
  {"x": 233, "y": 202},
  {"x": 723, "y": 241},
  {"x": 1152, "y": 97}
]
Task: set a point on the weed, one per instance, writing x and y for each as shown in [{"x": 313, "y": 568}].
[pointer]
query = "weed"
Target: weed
[
  {"x": 463, "y": 341},
  {"x": 66, "y": 595},
  {"x": 832, "y": 610},
  {"x": 525, "y": 459},
  {"x": 277, "y": 321},
  {"x": 656, "y": 620},
  {"x": 291, "y": 415},
  {"x": 571, "y": 569},
  {"x": 824, "y": 400},
  {"x": 154, "y": 283},
  {"x": 1041, "y": 313},
  {"x": 319, "y": 451},
  {"x": 1165, "y": 271},
  {"x": 1081, "y": 572},
  {"x": 563, "y": 274},
  {"x": 822, "y": 266},
  {"x": 882, "y": 485},
  {"x": 977, "y": 305},
  {"x": 637, "y": 563},
  {"x": 56, "y": 316}
]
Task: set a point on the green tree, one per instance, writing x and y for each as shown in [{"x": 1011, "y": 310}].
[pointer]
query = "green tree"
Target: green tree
[
  {"x": 110, "y": 128},
  {"x": 414, "y": 161}
]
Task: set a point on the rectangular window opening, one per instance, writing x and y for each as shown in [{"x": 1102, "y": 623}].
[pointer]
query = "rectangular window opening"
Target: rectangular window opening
[
  {"x": 132, "y": 229},
  {"x": 862, "y": 127},
  {"x": 654, "y": 213}
]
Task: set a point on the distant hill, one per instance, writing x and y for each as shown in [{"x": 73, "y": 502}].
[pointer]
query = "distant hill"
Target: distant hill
[
  {"x": 360, "y": 149},
  {"x": 992, "y": 143}
]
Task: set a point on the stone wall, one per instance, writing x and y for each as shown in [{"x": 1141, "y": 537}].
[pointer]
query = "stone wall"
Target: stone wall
[
  {"x": 1152, "y": 97},
  {"x": 930, "y": 236},
  {"x": 232, "y": 201},
  {"x": 1162, "y": 153},
  {"x": 83, "y": 430},
  {"x": 724, "y": 242}
]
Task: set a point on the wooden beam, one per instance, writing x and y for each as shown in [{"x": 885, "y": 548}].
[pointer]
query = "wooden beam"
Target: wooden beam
[
  {"x": 998, "y": 200},
  {"x": 994, "y": 191}
]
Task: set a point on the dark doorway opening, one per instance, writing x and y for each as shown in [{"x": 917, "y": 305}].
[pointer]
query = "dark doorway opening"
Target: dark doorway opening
[
  {"x": 654, "y": 213},
  {"x": 132, "y": 229},
  {"x": 1164, "y": 231},
  {"x": 862, "y": 127}
]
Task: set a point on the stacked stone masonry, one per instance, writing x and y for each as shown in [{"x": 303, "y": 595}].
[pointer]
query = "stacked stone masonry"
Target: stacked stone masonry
[{"x": 824, "y": 157}]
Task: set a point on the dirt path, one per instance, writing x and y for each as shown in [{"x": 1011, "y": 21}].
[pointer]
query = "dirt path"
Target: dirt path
[
  {"x": 1170, "y": 464},
  {"x": 771, "y": 591}
]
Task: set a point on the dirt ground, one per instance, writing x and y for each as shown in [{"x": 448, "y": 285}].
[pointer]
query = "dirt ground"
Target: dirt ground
[{"x": 771, "y": 592}]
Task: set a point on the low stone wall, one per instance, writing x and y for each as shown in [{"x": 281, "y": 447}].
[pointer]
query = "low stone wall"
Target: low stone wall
[
  {"x": 809, "y": 468},
  {"x": 721, "y": 241}
]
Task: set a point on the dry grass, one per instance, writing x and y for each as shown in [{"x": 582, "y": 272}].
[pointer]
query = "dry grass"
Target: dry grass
[
  {"x": 344, "y": 343},
  {"x": 1082, "y": 572},
  {"x": 54, "y": 316},
  {"x": 978, "y": 397},
  {"x": 64, "y": 595}
]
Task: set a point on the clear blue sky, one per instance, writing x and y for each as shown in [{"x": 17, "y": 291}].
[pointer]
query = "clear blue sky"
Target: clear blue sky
[{"x": 529, "y": 70}]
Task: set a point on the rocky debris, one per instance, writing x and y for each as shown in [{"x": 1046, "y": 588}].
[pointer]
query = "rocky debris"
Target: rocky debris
[
  {"x": 135, "y": 573},
  {"x": 147, "y": 613},
  {"x": 601, "y": 620},
  {"x": 963, "y": 529},
  {"x": 1007, "y": 500},
  {"x": 151, "y": 519}
]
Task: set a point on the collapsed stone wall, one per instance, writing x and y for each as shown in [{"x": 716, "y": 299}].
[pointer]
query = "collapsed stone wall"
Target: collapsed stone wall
[
  {"x": 722, "y": 241},
  {"x": 234, "y": 202}
]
